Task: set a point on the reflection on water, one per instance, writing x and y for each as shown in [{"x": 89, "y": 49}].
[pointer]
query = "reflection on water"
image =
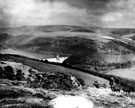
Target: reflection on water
[
  {"x": 124, "y": 73},
  {"x": 29, "y": 54},
  {"x": 119, "y": 59}
]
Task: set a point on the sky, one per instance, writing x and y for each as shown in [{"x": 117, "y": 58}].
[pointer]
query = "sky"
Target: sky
[{"x": 99, "y": 13}]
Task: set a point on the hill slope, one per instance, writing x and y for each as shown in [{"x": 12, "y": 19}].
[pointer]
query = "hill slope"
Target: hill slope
[
  {"x": 83, "y": 50},
  {"x": 4, "y": 37}
]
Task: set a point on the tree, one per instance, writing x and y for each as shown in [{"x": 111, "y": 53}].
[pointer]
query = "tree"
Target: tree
[
  {"x": 19, "y": 74},
  {"x": 1, "y": 72},
  {"x": 9, "y": 72}
]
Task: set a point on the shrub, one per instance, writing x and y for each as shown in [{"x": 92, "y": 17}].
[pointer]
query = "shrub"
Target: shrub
[
  {"x": 9, "y": 72},
  {"x": 19, "y": 74},
  {"x": 1, "y": 72},
  {"x": 96, "y": 84}
]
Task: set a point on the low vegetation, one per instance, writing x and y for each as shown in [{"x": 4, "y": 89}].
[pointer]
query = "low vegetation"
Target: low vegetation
[
  {"x": 46, "y": 80},
  {"x": 8, "y": 73},
  {"x": 125, "y": 83}
]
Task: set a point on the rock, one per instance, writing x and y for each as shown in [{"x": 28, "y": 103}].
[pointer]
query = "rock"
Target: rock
[{"x": 55, "y": 81}]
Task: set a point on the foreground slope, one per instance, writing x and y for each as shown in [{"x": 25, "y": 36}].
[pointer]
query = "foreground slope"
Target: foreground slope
[
  {"x": 45, "y": 67},
  {"x": 40, "y": 98},
  {"x": 21, "y": 94}
]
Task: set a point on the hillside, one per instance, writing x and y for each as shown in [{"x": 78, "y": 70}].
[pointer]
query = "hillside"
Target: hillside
[
  {"x": 4, "y": 37},
  {"x": 23, "y": 94},
  {"x": 45, "y": 67},
  {"x": 67, "y": 53},
  {"x": 98, "y": 52},
  {"x": 90, "y": 48},
  {"x": 42, "y": 37},
  {"x": 86, "y": 47},
  {"x": 70, "y": 45},
  {"x": 41, "y": 98}
]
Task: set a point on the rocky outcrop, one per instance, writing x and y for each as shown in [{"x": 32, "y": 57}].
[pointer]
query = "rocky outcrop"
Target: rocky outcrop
[
  {"x": 35, "y": 90},
  {"x": 45, "y": 80},
  {"x": 53, "y": 81}
]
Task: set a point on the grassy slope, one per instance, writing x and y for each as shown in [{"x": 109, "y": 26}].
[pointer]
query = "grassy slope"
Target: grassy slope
[
  {"x": 30, "y": 97},
  {"x": 78, "y": 72},
  {"x": 12, "y": 96},
  {"x": 93, "y": 47},
  {"x": 44, "y": 67},
  {"x": 19, "y": 96}
]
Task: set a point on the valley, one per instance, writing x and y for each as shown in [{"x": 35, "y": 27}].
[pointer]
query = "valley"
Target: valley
[{"x": 91, "y": 55}]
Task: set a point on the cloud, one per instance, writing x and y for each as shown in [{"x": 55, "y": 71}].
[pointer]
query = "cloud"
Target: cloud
[
  {"x": 121, "y": 14},
  {"x": 112, "y": 17},
  {"x": 105, "y": 13},
  {"x": 122, "y": 4},
  {"x": 44, "y": 12}
]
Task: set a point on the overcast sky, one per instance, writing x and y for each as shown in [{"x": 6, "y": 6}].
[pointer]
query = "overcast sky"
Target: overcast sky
[{"x": 100, "y": 13}]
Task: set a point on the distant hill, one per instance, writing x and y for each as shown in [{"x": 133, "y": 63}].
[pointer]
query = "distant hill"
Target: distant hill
[
  {"x": 31, "y": 30},
  {"x": 83, "y": 43},
  {"x": 34, "y": 30},
  {"x": 121, "y": 32},
  {"x": 83, "y": 50},
  {"x": 67, "y": 45}
]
